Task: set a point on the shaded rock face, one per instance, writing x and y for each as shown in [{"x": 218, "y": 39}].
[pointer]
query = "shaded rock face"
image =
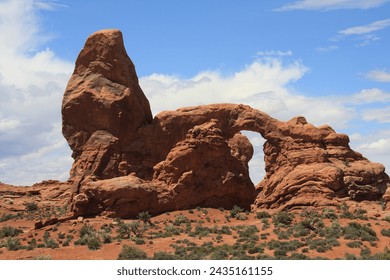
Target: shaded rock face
[
  {"x": 126, "y": 162},
  {"x": 103, "y": 106}
]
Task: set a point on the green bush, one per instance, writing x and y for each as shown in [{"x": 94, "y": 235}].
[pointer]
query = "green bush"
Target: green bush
[
  {"x": 131, "y": 253},
  {"x": 31, "y": 206},
  {"x": 282, "y": 219},
  {"x": 161, "y": 255},
  {"x": 43, "y": 257},
  {"x": 180, "y": 219},
  {"x": 51, "y": 243},
  {"x": 356, "y": 231},
  {"x": 8, "y": 231},
  {"x": 354, "y": 244},
  {"x": 322, "y": 245},
  {"x": 329, "y": 214},
  {"x": 6, "y": 217},
  {"x": 262, "y": 215},
  {"x": 145, "y": 217},
  {"x": 235, "y": 211},
  {"x": 87, "y": 230},
  {"x": 385, "y": 232},
  {"x": 94, "y": 242},
  {"x": 13, "y": 244}
]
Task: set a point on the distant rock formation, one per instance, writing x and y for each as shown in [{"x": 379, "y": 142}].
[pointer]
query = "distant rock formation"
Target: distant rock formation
[{"x": 127, "y": 162}]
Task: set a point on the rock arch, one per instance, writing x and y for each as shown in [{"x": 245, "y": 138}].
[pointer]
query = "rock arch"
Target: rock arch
[{"x": 126, "y": 162}]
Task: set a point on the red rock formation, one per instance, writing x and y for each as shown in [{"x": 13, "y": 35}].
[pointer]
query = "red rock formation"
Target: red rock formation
[
  {"x": 126, "y": 163},
  {"x": 103, "y": 107}
]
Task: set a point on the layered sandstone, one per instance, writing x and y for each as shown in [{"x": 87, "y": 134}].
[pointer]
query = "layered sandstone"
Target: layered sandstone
[{"x": 126, "y": 162}]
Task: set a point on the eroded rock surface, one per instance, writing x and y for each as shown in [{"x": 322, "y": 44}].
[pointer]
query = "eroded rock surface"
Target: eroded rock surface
[{"x": 126, "y": 162}]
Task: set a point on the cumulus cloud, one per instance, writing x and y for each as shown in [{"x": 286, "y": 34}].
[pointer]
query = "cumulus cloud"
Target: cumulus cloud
[
  {"x": 371, "y": 95},
  {"x": 381, "y": 115},
  {"x": 32, "y": 81},
  {"x": 325, "y": 5},
  {"x": 379, "y": 76},
  {"x": 266, "y": 84}
]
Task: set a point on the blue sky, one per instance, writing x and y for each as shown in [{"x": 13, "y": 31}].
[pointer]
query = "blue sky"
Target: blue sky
[{"x": 327, "y": 60}]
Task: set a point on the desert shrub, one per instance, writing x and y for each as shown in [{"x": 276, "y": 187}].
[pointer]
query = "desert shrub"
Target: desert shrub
[
  {"x": 350, "y": 256},
  {"x": 105, "y": 237},
  {"x": 365, "y": 253},
  {"x": 161, "y": 255},
  {"x": 235, "y": 211},
  {"x": 322, "y": 245},
  {"x": 284, "y": 245},
  {"x": 220, "y": 254},
  {"x": 354, "y": 244},
  {"x": 89, "y": 237},
  {"x": 43, "y": 257},
  {"x": 87, "y": 230},
  {"x": 125, "y": 230},
  {"x": 51, "y": 243},
  {"x": 139, "y": 241},
  {"x": 387, "y": 219},
  {"x": 280, "y": 253},
  {"x": 32, "y": 244},
  {"x": 300, "y": 230},
  {"x": 8, "y": 231},
  {"x": 356, "y": 231},
  {"x": 298, "y": 256},
  {"x": 31, "y": 206},
  {"x": 282, "y": 219},
  {"x": 335, "y": 230},
  {"x": 13, "y": 244},
  {"x": 248, "y": 232},
  {"x": 345, "y": 213},
  {"x": 385, "y": 232},
  {"x": 145, "y": 217},
  {"x": 170, "y": 230},
  {"x": 262, "y": 215},
  {"x": 94, "y": 242},
  {"x": 361, "y": 214},
  {"x": 329, "y": 214},
  {"x": 385, "y": 255},
  {"x": 131, "y": 253},
  {"x": 256, "y": 249},
  {"x": 200, "y": 231},
  {"x": 180, "y": 219},
  {"x": 6, "y": 217},
  {"x": 224, "y": 230},
  {"x": 265, "y": 224}
]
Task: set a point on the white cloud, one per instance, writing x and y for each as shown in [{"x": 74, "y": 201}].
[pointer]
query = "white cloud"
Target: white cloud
[
  {"x": 274, "y": 53},
  {"x": 382, "y": 147},
  {"x": 365, "y": 29},
  {"x": 326, "y": 49},
  {"x": 375, "y": 146},
  {"x": 381, "y": 115},
  {"x": 325, "y": 5},
  {"x": 364, "y": 34},
  {"x": 371, "y": 95},
  {"x": 379, "y": 76},
  {"x": 32, "y": 81},
  {"x": 264, "y": 84}
]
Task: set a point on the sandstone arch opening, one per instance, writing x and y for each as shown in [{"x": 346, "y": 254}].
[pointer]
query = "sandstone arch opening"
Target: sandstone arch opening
[{"x": 256, "y": 164}]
